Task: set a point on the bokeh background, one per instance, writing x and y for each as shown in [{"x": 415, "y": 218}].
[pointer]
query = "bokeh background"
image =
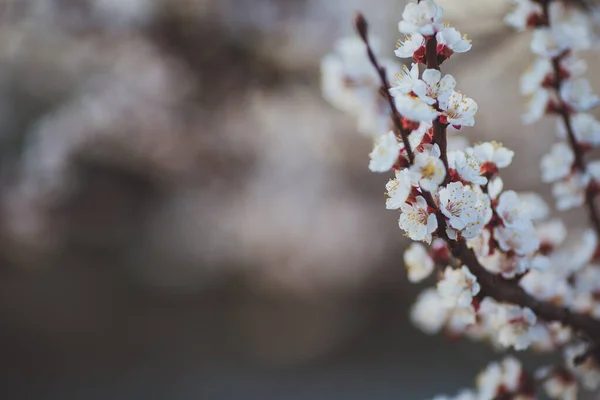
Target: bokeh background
[{"x": 182, "y": 216}]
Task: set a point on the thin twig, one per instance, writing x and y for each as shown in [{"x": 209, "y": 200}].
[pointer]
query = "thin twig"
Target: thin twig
[{"x": 362, "y": 28}]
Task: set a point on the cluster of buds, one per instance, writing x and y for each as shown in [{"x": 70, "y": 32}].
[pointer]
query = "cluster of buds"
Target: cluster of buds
[{"x": 505, "y": 273}]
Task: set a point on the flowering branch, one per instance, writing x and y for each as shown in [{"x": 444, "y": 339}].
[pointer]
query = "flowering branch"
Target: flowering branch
[
  {"x": 564, "y": 112},
  {"x": 492, "y": 285},
  {"x": 503, "y": 274},
  {"x": 363, "y": 30}
]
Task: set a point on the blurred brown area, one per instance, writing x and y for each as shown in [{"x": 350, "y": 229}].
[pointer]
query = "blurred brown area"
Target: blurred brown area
[{"x": 182, "y": 216}]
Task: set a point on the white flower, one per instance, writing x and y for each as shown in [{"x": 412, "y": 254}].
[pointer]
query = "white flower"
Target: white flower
[
  {"x": 588, "y": 371},
  {"x": 542, "y": 72},
  {"x": 452, "y": 40},
  {"x": 555, "y": 40},
  {"x": 424, "y": 18},
  {"x": 495, "y": 187},
  {"x": 521, "y": 14},
  {"x": 551, "y": 233},
  {"x": 533, "y": 206},
  {"x": 560, "y": 386},
  {"x": 438, "y": 88},
  {"x": 351, "y": 84},
  {"x": 577, "y": 93},
  {"x": 558, "y": 163},
  {"x": 417, "y": 221},
  {"x": 521, "y": 240},
  {"x": 585, "y": 127},
  {"x": 492, "y": 153},
  {"x": 385, "y": 153},
  {"x": 511, "y": 211},
  {"x": 418, "y": 263},
  {"x": 570, "y": 192},
  {"x": 407, "y": 48},
  {"x": 459, "y": 110},
  {"x": 457, "y": 287},
  {"x": 459, "y": 205},
  {"x": 547, "y": 286},
  {"x": 536, "y": 106},
  {"x": 497, "y": 377},
  {"x": 428, "y": 170},
  {"x": 398, "y": 190},
  {"x": 535, "y": 75},
  {"x": 414, "y": 109},
  {"x": 406, "y": 80},
  {"x": 514, "y": 326},
  {"x": 429, "y": 313},
  {"x": 467, "y": 166}
]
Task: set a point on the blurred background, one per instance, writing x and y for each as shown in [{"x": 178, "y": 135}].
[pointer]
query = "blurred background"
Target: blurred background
[{"x": 182, "y": 216}]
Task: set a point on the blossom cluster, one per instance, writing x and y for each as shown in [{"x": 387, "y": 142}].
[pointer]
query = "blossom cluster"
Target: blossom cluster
[
  {"x": 555, "y": 86},
  {"x": 453, "y": 199},
  {"x": 349, "y": 82}
]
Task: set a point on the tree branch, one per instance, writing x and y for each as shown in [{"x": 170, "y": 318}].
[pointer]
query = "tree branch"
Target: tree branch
[
  {"x": 492, "y": 285},
  {"x": 579, "y": 162},
  {"x": 363, "y": 30}
]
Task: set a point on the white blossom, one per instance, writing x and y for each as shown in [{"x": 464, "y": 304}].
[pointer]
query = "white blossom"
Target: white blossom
[
  {"x": 458, "y": 287},
  {"x": 418, "y": 262},
  {"x": 424, "y": 17},
  {"x": 406, "y": 81},
  {"x": 493, "y": 153},
  {"x": 536, "y": 106},
  {"x": 453, "y": 40},
  {"x": 428, "y": 170},
  {"x": 559, "y": 386},
  {"x": 417, "y": 221},
  {"x": 558, "y": 163},
  {"x": 415, "y": 109},
  {"x": 553, "y": 41},
  {"x": 588, "y": 371},
  {"x": 533, "y": 206},
  {"x": 438, "y": 88},
  {"x": 398, "y": 190},
  {"x": 429, "y": 313},
  {"x": 551, "y": 233},
  {"x": 407, "y": 48},
  {"x": 577, "y": 93},
  {"x": 521, "y": 240},
  {"x": 586, "y": 128},
  {"x": 351, "y": 84},
  {"x": 385, "y": 153},
  {"x": 520, "y": 15},
  {"x": 459, "y": 205},
  {"x": 512, "y": 325},
  {"x": 497, "y": 377},
  {"x": 510, "y": 210},
  {"x": 534, "y": 76},
  {"x": 570, "y": 192},
  {"x": 467, "y": 166},
  {"x": 542, "y": 72},
  {"x": 459, "y": 110}
]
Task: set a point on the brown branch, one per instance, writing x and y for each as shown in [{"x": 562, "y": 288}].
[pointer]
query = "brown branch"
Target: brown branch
[
  {"x": 439, "y": 129},
  {"x": 564, "y": 113},
  {"x": 363, "y": 30}
]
